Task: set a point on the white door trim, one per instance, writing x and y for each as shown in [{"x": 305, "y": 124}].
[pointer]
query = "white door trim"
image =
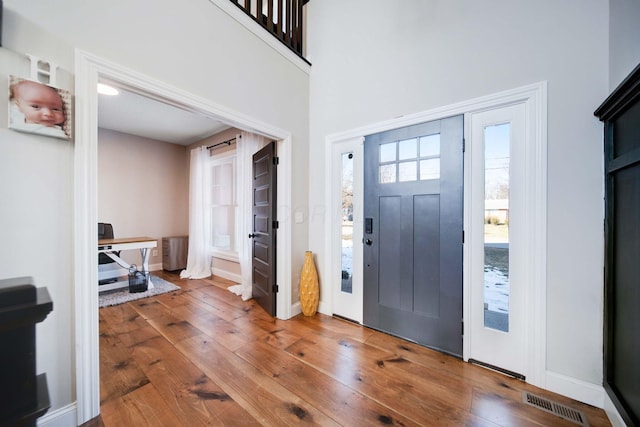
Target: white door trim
[
  {"x": 534, "y": 96},
  {"x": 89, "y": 69}
]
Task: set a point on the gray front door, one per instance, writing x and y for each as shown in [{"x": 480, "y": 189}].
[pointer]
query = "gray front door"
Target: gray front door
[{"x": 413, "y": 233}]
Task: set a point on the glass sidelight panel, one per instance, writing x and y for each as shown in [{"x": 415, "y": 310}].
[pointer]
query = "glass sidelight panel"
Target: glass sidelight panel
[
  {"x": 347, "y": 223},
  {"x": 496, "y": 226}
]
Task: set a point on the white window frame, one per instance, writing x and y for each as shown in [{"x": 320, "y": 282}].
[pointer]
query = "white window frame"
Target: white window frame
[{"x": 215, "y": 160}]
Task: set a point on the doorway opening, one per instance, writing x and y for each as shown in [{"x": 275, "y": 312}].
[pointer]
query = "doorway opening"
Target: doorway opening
[
  {"x": 532, "y": 100},
  {"x": 89, "y": 71}
]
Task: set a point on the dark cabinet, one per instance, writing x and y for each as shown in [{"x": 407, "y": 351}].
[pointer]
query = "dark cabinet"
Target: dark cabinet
[
  {"x": 620, "y": 113},
  {"x": 23, "y": 394}
]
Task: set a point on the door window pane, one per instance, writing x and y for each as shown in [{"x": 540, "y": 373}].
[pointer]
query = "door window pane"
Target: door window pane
[
  {"x": 347, "y": 222},
  {"x": 387, "y": 173},
  {"x": 430, "y": 145},
  {"x": 388, "y": 152},
  {"x": 407, "y": 171},
  {"x": 496, "y": 227},
  {"x": 408, "y": 149},
  {"x": 430, "y": 169}
]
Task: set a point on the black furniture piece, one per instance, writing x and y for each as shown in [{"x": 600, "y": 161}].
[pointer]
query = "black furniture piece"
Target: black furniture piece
[
  {"x": 620, "y": 113},
  {"x": 105, "y": 231},
  {"x": 23, "y": 394}
]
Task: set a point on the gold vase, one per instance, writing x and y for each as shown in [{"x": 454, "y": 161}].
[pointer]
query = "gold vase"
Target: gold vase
[{"x": 309, "y": 289}]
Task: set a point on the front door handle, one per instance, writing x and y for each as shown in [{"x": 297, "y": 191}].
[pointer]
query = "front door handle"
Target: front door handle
[{"x": 368, "y": 242}]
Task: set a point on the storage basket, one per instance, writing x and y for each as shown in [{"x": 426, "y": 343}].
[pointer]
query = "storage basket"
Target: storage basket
[{"x": 138, "y": 280}]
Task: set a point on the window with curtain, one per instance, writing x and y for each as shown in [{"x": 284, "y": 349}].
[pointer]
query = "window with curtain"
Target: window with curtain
[{"x": 224, "y": 205}]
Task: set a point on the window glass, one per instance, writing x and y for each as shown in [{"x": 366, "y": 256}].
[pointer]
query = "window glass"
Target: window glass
[
  {"x": 388, "y": 173},
  {"x": 408, "y": 149},
  {"x": 347, "y": 223},
  {"x": 223, "y": 203},
  {"x": 430, "y": 169},
  {"x": 430, "y": 145},
  {"x": 496, "y": 226},
  {"x": 388, "y": 152},
  {"x": 407, "y": 171}
]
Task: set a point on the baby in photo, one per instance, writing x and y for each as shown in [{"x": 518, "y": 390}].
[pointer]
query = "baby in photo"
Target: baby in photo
[{"x": 37, "y": 108}]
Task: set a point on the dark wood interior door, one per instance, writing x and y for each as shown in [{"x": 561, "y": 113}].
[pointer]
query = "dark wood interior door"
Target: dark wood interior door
[
  {"x": 621, "y": 114},
  {"x": 263, "y": 237},
  {"x": 413, "y": 233}
]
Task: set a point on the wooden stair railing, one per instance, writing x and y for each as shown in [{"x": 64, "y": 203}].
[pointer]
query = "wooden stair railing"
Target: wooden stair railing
[{"x": 282, "y": 18}]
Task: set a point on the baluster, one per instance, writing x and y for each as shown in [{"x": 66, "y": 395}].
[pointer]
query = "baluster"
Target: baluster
[
  {"x": 270, "y": 16},
  {"x": 259, "y": 12},
  {"x": 300, "y": 25},
  {"x": 287, "y": 29},
  {"x": 279, "y": 25},
  {"x": 295, "y": 25}
]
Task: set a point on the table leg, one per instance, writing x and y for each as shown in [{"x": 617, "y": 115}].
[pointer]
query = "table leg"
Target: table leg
[{"x": 144, "y": 253}]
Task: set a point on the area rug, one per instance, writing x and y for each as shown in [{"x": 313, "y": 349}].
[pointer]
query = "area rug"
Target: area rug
[{"x": 160, "y": 286}]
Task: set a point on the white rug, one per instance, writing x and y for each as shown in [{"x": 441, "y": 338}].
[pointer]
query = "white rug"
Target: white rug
[{"x": 160, "y": 286}]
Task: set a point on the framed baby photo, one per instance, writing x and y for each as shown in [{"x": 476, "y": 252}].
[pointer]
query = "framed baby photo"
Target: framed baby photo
[{"x": 38, "y": 108}]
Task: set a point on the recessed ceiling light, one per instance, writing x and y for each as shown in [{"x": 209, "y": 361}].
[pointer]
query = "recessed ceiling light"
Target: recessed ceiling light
[{"x": 106, "y": 89}]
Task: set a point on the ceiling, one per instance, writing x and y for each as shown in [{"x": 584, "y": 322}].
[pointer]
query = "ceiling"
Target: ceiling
[{"x": 139, "y": 115}]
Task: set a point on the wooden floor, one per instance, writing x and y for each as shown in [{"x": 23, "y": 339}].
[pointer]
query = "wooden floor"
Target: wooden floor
[{"x": 201, "y": 356}]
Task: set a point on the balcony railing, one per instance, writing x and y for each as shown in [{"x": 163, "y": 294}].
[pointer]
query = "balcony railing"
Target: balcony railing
[{"x": 282, "y": 18}]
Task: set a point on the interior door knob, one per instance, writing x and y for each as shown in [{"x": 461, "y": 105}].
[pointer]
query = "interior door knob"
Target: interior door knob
[
  {"x": 368, "y": 242},
  {"x": 251, "y": 236}
]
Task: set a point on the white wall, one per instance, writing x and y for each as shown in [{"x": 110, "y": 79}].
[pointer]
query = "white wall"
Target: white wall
[
  {"x": 197, "y": 47},
  {"x": 193, "y": 46},
  {"x": 624, "y": 41},
  {"x": 375, "y": 60},
  {"x": 36, "y": 190},
  {"x": 143, "y": 189}
]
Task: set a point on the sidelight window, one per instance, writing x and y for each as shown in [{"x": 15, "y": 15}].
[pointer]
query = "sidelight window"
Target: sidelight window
[
  {"x": 496, "y": 226},
  {"x": 347, "y": 223}
]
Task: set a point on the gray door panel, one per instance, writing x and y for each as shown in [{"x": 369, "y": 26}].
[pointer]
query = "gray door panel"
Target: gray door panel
[{"x": 413, "y": 255}]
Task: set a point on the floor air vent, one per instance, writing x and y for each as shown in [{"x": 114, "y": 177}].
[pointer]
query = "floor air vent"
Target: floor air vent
[{"x": 555, "y": 408}]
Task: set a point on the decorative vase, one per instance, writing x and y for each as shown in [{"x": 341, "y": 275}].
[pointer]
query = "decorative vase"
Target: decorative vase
[{"x": 309, "y": 290}]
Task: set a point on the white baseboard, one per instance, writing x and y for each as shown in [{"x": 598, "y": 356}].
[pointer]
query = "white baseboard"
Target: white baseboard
[
  {"x": 155, "y": 267},
  {"x": 582, "y": 391},
  {"x": 62, "y": 417},
  {"x": 226, "y": 275},
  {"x": 324, "y": 308},
  {"x": 612, "y": 412},
  {"x": 296, "y": 309}
]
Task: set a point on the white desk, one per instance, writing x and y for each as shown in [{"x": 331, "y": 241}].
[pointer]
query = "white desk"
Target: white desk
[{"x": 107, "y": 246}]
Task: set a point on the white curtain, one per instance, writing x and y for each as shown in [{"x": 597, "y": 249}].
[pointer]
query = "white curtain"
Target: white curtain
[
  {"x": 199, "y": 258},
  {"x": 247, "y": 144}
]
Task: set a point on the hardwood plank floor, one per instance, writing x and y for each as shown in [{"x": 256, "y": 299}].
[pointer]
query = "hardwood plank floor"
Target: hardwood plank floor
[{"x": 201, "y": 356}]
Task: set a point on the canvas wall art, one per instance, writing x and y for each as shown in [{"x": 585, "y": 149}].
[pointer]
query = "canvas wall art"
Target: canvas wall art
[{"x": 38, "y": 108}]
